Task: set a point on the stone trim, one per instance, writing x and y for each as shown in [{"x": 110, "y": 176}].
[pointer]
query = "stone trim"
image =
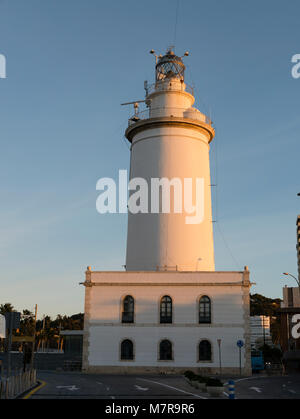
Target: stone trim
[
  {"x": 95, "y": 323},
  {"x": 127, "y": 370},
  {"x": 165, "y": 284}
]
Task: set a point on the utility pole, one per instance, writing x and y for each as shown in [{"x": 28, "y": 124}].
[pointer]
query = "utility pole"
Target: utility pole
[
  {"x": 220, "y": 357},
  {"x": 33, "y": 342}
]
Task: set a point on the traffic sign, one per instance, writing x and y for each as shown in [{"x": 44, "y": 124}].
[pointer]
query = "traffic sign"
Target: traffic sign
[{"x": 240, "y": 343}]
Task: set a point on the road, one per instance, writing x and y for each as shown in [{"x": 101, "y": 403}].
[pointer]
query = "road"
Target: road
[
  {"x": 62, "y": 385},
  {"x": 85, "y": 386}
]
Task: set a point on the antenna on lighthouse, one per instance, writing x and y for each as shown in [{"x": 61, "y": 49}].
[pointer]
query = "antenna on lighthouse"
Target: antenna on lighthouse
[{"x": 146, "y": 87}]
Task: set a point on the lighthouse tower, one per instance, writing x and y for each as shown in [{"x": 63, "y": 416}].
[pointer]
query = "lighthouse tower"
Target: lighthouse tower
[{"x": 171, "y": 141}]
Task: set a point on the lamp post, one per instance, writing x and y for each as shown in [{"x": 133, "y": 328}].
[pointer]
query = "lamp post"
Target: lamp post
[{"x": 287, "y": 274}]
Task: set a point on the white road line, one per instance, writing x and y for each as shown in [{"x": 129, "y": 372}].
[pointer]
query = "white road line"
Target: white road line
[
  {"x": 141, "y": 388},
  {"x": 257, "y": 389},
  {"x": 173, "y": 388},
  {"x": 292, "y": 391},
  {"x": 248, "y": 378}
]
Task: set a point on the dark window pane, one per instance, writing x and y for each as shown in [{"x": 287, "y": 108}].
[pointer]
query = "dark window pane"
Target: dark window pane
[
  {"x": 165, "y": 350},
  {"x": 127, "y": 350},
  {"x": 166, "y": 310},
  {"x": 205, "y": 310},
  {"x": 204, "y": 351},
  {"x": 128, "y": 310}
]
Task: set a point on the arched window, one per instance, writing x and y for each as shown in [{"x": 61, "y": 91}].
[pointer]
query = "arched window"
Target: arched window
[
  {"x": 205, "y": 351},
  {"x": 166, "y": 309},
  {"x": 205, "y": 310},
  {"x": 165, "y": 350},
  {"x": 127, "y": 350},
  {"x": 128, "y": 310}
]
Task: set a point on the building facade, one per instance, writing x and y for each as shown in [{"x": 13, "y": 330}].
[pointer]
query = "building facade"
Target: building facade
[
  {"x": 289, "y": 307},
  {"x": 146, "y": 322},
  {"x": 298, "y": 244},
  {"x": 170, "y": 310},
  {"x": 260, "y": 331}
]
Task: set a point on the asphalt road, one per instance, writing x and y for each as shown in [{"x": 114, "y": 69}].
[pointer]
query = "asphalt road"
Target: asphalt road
[{"x": 62, "y": 385}]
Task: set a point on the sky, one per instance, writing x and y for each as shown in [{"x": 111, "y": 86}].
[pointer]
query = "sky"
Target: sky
[{"x": 70, "y": 64}]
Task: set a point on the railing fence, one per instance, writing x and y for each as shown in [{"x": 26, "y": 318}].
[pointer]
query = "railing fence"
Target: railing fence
[{"x": 18, "y": 383}]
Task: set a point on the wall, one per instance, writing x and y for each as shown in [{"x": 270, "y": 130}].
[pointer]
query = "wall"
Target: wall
[{"x": 104, "y": 331}]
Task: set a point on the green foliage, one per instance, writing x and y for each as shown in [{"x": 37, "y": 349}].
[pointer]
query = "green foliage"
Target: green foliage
[
  {"x": 47, "y": 329},
  {"x": 214, "y": 382},
  {"x": 190, "y": 375},
  {"x": 201, "y": 379},
  {"x": 6, "y": 308},
  {"x": 263, "y": 306},
  {"x": 271, "y": 354}
]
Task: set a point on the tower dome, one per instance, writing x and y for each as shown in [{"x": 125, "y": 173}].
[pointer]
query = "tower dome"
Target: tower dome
[{"x": 170, "y": 66}]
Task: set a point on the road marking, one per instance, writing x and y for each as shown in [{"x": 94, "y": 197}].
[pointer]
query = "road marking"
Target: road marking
[
  {"x": 173, "y": 388},
  {"x": 248, "y": 378},
  {"x": 141, "y": 388},
  {"x": 292, "y": 391},
  {"x": 43, "y": 383},
  {"x": 258, "y": 390},
  {"x": 101, "y": 384},
  {"x": 70, "y": 388},
  {"x": 107, "y": 388}
]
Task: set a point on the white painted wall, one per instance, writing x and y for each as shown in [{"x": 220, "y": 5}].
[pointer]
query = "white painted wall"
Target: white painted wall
[
  {"x": 105, "y": 345},
  {"x": 158, "y": 240},
  {"x": 106, "y": 331}
]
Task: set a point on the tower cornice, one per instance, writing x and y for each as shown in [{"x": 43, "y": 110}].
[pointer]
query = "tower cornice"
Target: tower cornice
[{"x": 151, "y": 123}]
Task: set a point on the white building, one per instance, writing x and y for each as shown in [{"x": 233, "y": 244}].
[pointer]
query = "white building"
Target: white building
[
  {"x": 2, "y": 327},
  {"x": 170, "y": 310},
  {"x": 260, "y": 331}
]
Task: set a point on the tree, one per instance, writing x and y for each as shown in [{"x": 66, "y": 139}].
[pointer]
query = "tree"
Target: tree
[
  {"x": 6, "y": 308},
  {"x": 263, "y": 306}
]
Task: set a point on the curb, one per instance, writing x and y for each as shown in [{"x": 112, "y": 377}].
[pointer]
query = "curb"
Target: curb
[{"x": 33, "y": 390}]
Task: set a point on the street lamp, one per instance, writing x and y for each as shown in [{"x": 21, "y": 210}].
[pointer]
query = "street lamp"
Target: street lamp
[{"x": 287, "y": 274}]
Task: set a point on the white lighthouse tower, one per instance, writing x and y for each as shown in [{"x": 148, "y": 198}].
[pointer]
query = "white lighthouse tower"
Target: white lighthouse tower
[{"x": 170, "y": 141}]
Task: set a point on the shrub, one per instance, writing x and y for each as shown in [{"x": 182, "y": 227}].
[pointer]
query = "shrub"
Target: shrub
[
  {"x": 190, "y": 375},
  {"x": 201, "y": 379},
  {"x": 213, "y": 382}
]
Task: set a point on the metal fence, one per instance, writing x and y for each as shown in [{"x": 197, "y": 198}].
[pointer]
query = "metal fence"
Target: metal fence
[
  {"x": 18, "y": 383},
  {"x": 167, "y": 111}
]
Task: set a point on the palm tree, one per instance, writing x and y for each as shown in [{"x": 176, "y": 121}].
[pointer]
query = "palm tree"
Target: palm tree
[{"x": 6, "y": 308}]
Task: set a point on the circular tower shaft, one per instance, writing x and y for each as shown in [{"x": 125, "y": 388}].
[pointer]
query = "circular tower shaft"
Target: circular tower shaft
[{"x": 172, "y": 141}]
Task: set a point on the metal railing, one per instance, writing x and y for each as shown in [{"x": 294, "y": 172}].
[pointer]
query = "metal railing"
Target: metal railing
[
  {"x": 165, "y": 86},
  {"x": 190, "y": 113},
  {"x": 13, "y": 386}
]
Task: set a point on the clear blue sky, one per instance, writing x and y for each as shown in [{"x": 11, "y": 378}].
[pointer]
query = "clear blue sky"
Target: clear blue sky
[{"x": 70, "y": 63}]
